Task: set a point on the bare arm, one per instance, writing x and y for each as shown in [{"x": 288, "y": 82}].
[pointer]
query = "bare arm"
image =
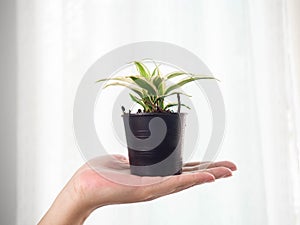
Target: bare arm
[{"x": 87, "y": 190}]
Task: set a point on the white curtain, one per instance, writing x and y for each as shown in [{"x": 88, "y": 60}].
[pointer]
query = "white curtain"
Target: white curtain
[{"x": 252, "y": 46}]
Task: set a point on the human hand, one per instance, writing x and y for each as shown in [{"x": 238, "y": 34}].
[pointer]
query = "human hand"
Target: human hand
[{"x": 88, "y": 190}]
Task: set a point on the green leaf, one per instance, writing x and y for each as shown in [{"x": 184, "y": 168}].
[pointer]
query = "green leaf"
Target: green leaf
[
  {"x": 143, "y": 70},
  {"x": 137, "y": 100},
  {"x": 161, "y": 88},
  {"x": 144, "y": 84},
  {"x": 175, "y": 104},
  {"x": 185, "y": 81},
  {"x": 161, "y": 97},
  {"x": 156, "y": 70},
  {"x": 149, "y": 105},
  {"x": 157, "y": 81},
  {"x": 127, "y": 86},
  {"x": 145, "y": 93},
  {"x": 175, "y": 74},
  {"x": 173, "y": 93},
  {"x": 124, "y": 79}
]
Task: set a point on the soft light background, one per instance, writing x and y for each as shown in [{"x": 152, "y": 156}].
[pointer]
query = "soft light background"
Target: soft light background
[{"x": 252, "y": 46}]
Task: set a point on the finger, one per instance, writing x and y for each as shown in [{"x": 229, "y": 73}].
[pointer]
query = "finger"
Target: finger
[
  {"x": 206, "y": 165},
  {"x": 108, "y": 162},
  {"x": 188, "y": 164},
  {"x": 175, "y": 183},
  {"x": 124, "y": 165},
  {"x": 219, "y": 172},
  {"x": 120, "y": 158}
]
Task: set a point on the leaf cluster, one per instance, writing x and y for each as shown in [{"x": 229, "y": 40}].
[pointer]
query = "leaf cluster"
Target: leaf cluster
[{"x": 150, "y": 88}]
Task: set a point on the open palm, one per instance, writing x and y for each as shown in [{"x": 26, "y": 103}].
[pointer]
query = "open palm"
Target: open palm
[{"x": 107, "y": 180}]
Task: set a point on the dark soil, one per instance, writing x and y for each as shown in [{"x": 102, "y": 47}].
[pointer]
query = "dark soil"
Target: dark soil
[{"x": 156, "y": 111}]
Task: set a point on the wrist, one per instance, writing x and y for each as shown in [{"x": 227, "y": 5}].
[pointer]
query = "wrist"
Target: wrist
[{"x": 66, "y": 209}]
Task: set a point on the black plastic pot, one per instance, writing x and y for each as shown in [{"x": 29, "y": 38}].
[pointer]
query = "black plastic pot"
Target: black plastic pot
[{"x": 154, "y": 142}]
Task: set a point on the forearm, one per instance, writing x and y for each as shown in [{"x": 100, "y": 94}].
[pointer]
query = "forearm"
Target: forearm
[{"x": 66, "y": 209}]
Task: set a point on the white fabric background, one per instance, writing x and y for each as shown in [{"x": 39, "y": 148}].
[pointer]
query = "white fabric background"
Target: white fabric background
[{"x": 252, "y": 46}]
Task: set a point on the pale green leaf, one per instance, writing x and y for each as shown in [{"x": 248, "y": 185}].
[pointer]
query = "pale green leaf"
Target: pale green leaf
[
  {"x": 137, "y": 100},
  {"x": 143, "y": 70},
  {"x": 124, "y": 79},
  {"x": 157, "y": 81},
  {"x": 156, "y": 70},
  {"x": 175, "y": 104},
  {"x": 175, "y": 74},
  {"x": 173, "y": 93},
  {"x": 144, "y": 84},
  {"x": 185, "y": 81},
  {"x": 139, "y": 92}
]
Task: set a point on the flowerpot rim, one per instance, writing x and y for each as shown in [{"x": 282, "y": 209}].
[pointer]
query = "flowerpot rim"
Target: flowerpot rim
[{"x": 154, "y": 114}]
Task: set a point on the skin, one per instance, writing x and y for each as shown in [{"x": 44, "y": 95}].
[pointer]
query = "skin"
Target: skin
[{"x": 87, "y": 190}]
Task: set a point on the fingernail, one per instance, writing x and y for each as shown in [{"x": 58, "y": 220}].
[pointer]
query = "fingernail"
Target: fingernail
[
  {"x": 227, "y": 175},
  {"x": 233, "y": 168},
  {"x": 210, "y": 180}
]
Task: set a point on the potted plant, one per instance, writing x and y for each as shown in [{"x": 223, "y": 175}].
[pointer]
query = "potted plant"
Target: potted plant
[{"x": 155, "y": 132}]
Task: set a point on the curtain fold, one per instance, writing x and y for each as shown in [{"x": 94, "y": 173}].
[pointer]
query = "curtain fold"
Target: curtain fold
[
  {"x": 253, "y": 47},
  {"x": 276, "y": 109}
]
